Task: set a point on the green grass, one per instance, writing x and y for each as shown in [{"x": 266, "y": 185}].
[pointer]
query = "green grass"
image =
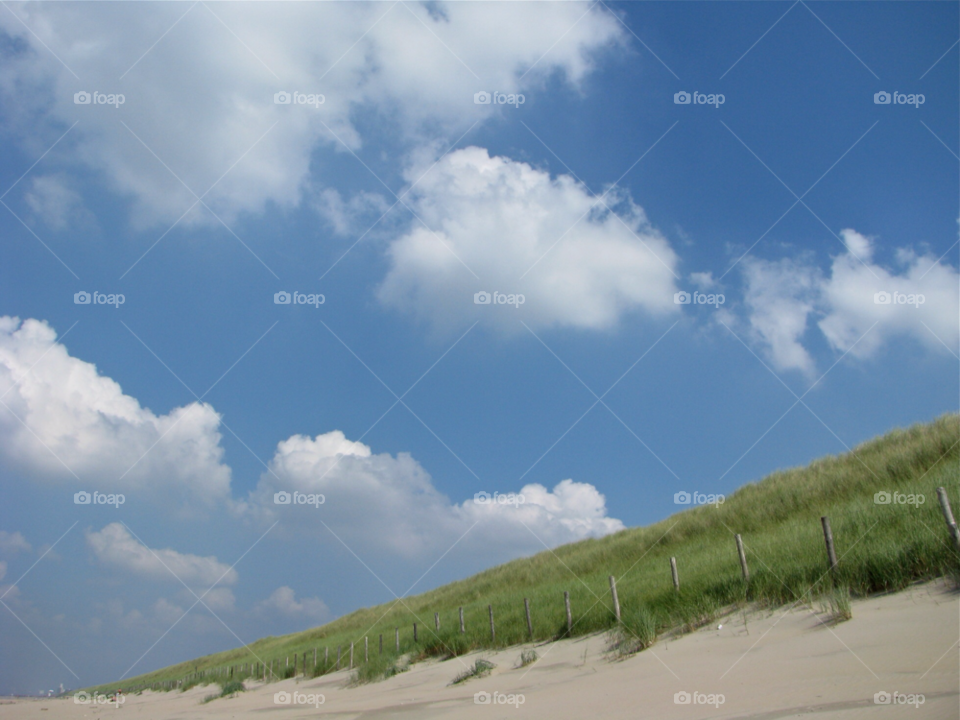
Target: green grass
[
  {"x": 480, "y": 668},
  {"x": 880, "y": 548}
]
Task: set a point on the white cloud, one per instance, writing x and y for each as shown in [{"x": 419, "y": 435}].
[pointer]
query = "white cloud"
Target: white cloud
[
  {"x": 74, "y": 421},
  {"x": 116, "y": 547},
  {"x": 11, "y": 543},
  {"x": 346, "y": 217},
  {"x": 851, "y": 310},
  {"x": 782, "y": 296},
  {"x": 283, "y": 601},
  {"x": 387, "y": 504},
  {"x": 779, "y": 297},
  {"x": 496, "y": 218},
  {"x": 54, "y": 202},
  {"x": 200, "y": 99}
]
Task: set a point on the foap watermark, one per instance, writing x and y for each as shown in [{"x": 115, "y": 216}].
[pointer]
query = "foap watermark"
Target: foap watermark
[
  {"x": 298, "y": 698},
  {"x": 498, "y": 698},
  {"x": 698, "y": 298},
  {"x": 298, "y": 498},
  {"x": 99, "y": 298},
  {"x": 898, "y": 298},
  {"x": 485, "y": 498},
  {"x": 99, "y": 498},
  {"x": 898, "y": 98},
  {"x": 898, "y": 698},
  {"x": 298, "y": 98},
  {"x": 698, "y": 498},
  {"x": 898, "y": 498},
  {"x": 498, "y": 298},
  {"x": 98, "y": 98},
  {"x": 498, "y": 98},
  {"x": 698, "y": 698},
  {"x": 698, "y": 98},
  {"x": 298, "y": 298},
  {"x": 85, "y": 698}
]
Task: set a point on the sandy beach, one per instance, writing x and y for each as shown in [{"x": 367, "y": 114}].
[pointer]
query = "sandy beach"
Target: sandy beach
[{"x": 784, "y": 663}]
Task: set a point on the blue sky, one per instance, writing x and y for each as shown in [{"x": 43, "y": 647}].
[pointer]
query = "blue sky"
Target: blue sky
[{"x": 799, "y": 199}]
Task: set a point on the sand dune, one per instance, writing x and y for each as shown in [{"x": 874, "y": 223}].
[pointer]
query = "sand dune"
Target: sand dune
[{"x": 784, "y": 663}]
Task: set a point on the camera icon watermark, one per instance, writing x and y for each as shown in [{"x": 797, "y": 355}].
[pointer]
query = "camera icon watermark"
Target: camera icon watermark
[
  {"x": 498, "y": 698},
  {"x": 899, "y": 98},
  {"x": 298, "y": 98},
  {"x": 84, "y": 698},
  {"x": 698, "y": 498},
  {"x": 898, "y": 298},
  {"x": 298, "y": 698},
  {"x": 498, "y": 298},
  {"x": 298, "y": 498},
  {"x": 498, "y": 98},
  {"x": 699, "y": 98},
  {"x": 485, "y": 498},
  {"x": 99, "y": 298},
  {"x": 298, "y": 298},
  {"x": 898, "y": 498},
  {"x": 698, "y": 298},
  {"x": 98, "y": 98},
  {"x": 898, "y": 698},
  {"x": 99, "y": 498},
  {"x": 698, "y": 698}
]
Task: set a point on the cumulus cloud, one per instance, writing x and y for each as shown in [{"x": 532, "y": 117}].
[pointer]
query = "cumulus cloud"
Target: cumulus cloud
[
  {"x": 858, "y": 305},
  {"x": 202, "y": 97},
  {"x": 283, "y": 600},
  {"x": 116, "y": 547},
  {"x": 62, "y": 421},
  {"x": 388, "y": 504},
  {"x": 493, "y": 224},
  {"x": 12, "y": 542}
]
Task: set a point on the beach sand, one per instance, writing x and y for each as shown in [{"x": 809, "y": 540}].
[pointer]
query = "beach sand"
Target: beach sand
[{"x": 784, "y": 663}]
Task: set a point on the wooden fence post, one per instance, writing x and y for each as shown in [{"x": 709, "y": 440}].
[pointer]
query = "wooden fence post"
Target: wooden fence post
[
  {"x": 566, "y": 604},
  {"x": 314, "y": 657},
  {"x": 948, "y": 516},
  {"x": 462, "y": 630},
  {"x": 493, "y": 633},
  {"x": 436, "y": 620},
  {"x": 398, "y": 639},
  {"x": 616, "y": 601},
  {"x": 828, "y": 538},
  {"x": 351, "y": 655},
  {"x": 414, "y": 632},
  {"x": 743, "y": 560},
  {"x": 326, "y": 658},
  {"x": 338, "y": 657},
  {"x": 381, "y": 643},
  {"x": 366, "y": 650},
  {"x": 676, "y": 577},
  {"x": 526, "y": 609}
]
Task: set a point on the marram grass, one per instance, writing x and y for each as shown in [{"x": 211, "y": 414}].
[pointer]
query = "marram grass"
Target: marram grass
[{"x": 880, "y": 547}]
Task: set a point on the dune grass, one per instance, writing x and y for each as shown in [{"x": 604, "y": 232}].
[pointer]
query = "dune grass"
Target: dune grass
[{"x": 880, "y": 547}]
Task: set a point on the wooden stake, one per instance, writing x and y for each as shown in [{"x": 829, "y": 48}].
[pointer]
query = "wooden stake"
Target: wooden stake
[
  {"x": 436, "y": 620},
  {"x": 676, "y": 577},
  {"x": 948, "y": 516},
  {"x": 743, "y": 560},
  {"x": 462, "y": 630},
  {"x": 414, "y": 632},
  {"x": 828, "y": 538},
  {"x": 366, "y": 650},
  {"x": 566, "y": 604},
  {"x": 398, "y": 639},
  {"x": 381, "y": 643},
  {"x": 526, "y": 609},
  {"x": 493, "y": 633},
  {"x": 616, "y": 601},
  {"x": 351, "y": 656}
]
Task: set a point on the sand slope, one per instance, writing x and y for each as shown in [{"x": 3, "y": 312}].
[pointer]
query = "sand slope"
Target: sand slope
[{"x": 769, "y": 665}]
